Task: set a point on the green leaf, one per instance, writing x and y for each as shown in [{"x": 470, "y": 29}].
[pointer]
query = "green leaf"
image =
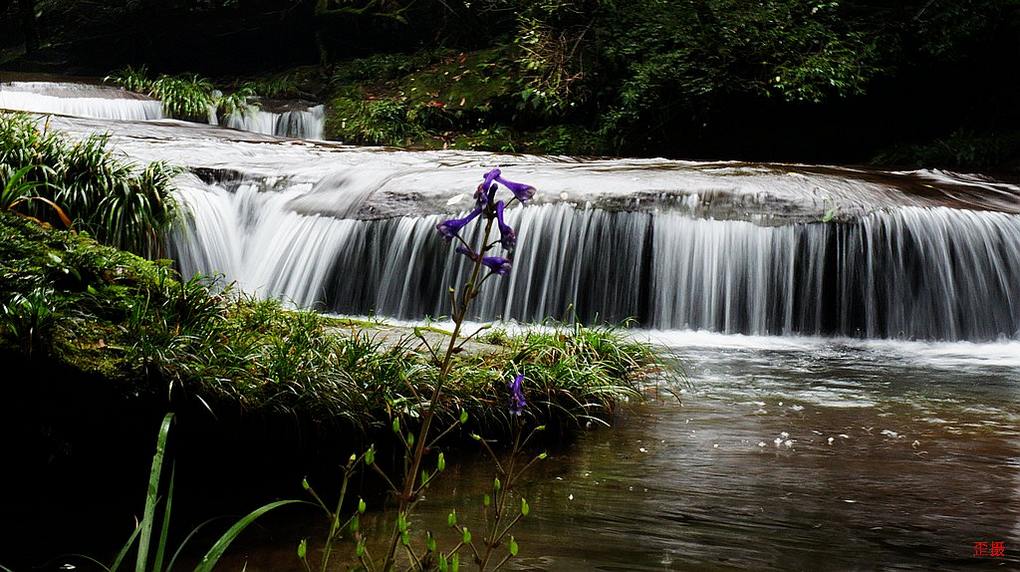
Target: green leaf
[
  {"x": 466, "y": 536},
  {"x": 362, "y": 506},
  {"x": 165, "y": 530},
  {"x": 216, "y": 552},
  {"x": 402, "y": 522},
  {"x": 512, "y": 545},
  {"x": 152, "y": 496},
  {"x": 430, "y": 542},
  {"x": 124, "y": 550},
  {"x": 451, "y": 520},
  {"x": 370, "y": 455},
  {"x": 441, "y": 462},
  {"x": 486, "y": 500},
  {"x": 355, "y": 524},
  {"x": 302, "y": 548},
  {"x": 525, "y": 509},
  {"x": 396, "y": 425},
  {"x": 463, "y": 416}
]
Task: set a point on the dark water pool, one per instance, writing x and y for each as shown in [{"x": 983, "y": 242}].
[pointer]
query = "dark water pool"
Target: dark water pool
[{"x": 786, "y": 453}]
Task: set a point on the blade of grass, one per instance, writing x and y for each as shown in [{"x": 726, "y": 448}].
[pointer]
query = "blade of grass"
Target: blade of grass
[
  {"x": 213, "y": 556},
  {"x": 157, "y": 565},
  {"x": 194, "y": 531},
  {"x": 125, "y": 549},
  {"x": 152, "y": 497}
]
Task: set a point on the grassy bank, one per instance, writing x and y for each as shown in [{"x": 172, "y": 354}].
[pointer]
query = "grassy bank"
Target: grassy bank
[
  {"x": 99, "y": 343},
  {"x": 83, "y": 185},
  {"x": 135, "y": 325}
]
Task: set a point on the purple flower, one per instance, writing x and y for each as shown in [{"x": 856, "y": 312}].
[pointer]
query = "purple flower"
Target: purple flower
[
  {"x": 450, "y": 228},
  {"x": 461, "y": 249},
  {"x": 487, "y": 190},
  {"x": 497, "y": 264},
  {"x": 508, "y": 238},
  {"x": 517, "y": 402},
  {"x": 522, "y": 191}
]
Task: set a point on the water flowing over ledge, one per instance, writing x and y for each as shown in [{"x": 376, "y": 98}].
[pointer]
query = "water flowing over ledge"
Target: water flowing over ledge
[
  {"x": 78, "y": 100},
  {"x": 911, "y": 272},
  {"x": 728, "y": 247},
  {"x": 106, "y": 102}
]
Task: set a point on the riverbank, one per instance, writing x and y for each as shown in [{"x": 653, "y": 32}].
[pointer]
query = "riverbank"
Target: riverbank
[
  {"x": 101, "y": 342},
  {"x": 108, "y": 315}
]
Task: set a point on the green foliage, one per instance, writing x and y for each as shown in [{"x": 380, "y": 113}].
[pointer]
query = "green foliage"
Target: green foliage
[
  {"x": 281, "y": 85},
  {"x": 680, "y": 59},
  {"x": 184, "y": 97},
  {"x": 29, "y": 318},
  {"x": 383, "y": 67},
  {"x": 661, "y": 76},
  {"x": 131, "y": 79},
  {"x": 238, "y": 101},
  {"x": 191, "y": 97},
  {"x": 136, "y": 323},
  {"x": 372, "y": 122},
  {"x": 56, "y": 180},
  {"x": 151, "y": 550}
]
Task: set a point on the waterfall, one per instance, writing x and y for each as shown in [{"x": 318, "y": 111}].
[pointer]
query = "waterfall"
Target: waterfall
[
  {"x": 106, "y": 102},
  {"x": 296, "y": 123},
  {"x": 79, "y": 100},
  {"x": 910, "y": 272}
]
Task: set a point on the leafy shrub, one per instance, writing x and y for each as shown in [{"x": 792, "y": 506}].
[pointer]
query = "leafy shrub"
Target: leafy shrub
[
  {"x": 372, "y": 122},
  {"x": 98, "y": 192},
  {"x": 189, "y": 97}
]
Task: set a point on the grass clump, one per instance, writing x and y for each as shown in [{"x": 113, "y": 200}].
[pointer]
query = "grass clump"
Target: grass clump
[
  {"x": 82, "y": 184},
  {"x": 189, "y": 96},
  {"x": 138, "y": 325}
]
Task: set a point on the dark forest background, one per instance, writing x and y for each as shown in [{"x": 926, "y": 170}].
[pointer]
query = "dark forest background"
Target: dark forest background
[{"x": 909, "y": 83}]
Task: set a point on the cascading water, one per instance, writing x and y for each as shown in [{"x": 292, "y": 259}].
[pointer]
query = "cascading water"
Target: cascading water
[
  {"x": 296, "y": 123},
  {"x": 909, "y": 272},
  {"x": 106, "y": 102},
  {"x": 727, "y": 247},
  {"x": 79, "y": 100}
]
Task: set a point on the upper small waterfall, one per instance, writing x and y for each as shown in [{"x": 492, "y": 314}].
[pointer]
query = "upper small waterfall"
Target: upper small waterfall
[
  {"x": 79, "y": 100},
  {"x": 297, "y": 123},
  {"x": 106, "y": 102}
]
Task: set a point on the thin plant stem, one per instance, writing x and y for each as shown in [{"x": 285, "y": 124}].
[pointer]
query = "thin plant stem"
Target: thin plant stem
[{"x": 411, "y": 476}]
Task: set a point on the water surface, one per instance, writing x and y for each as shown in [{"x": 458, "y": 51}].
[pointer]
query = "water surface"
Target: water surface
[{"x": 785, "y": 453}]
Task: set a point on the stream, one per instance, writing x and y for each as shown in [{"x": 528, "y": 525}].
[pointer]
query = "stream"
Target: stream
[
  {"x": 784, "y": 454},
  {"x": 850, "y": 338}
]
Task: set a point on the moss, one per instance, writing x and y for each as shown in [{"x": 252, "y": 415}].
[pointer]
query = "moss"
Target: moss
[
  {"x": 134, "y": 323},
  {"x": 447, "y": 100}
]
